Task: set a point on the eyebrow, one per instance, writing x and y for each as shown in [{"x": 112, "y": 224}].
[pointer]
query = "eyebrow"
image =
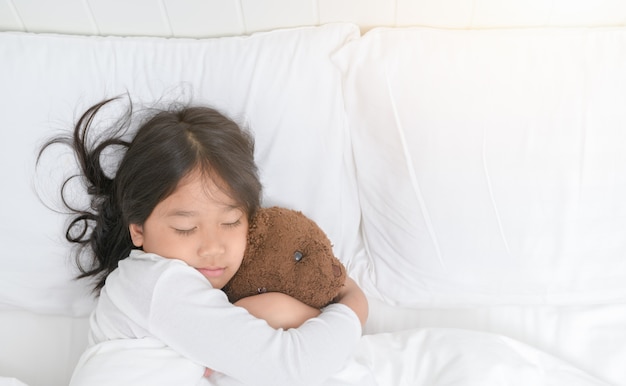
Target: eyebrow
[
  {"x": 182, "y": 213},
  {"x": 192, "y": 213}
]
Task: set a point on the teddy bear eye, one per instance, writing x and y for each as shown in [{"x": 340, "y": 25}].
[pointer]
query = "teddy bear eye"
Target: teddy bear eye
[{"x": 297, "y": 256}]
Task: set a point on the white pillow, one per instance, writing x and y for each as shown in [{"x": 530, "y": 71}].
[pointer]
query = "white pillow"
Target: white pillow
[
  {"x": 491, "y": 164},
  {"x": 280, "y": 84}
]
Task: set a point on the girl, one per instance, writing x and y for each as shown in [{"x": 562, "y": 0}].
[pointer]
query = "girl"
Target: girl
[{"x": 164, "y": 235}]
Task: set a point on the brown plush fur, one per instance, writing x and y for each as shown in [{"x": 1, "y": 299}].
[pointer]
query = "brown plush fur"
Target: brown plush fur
[{"x": 270, "y": 262}]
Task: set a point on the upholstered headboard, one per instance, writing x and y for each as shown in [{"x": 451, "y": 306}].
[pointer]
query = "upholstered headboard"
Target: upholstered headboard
[{"x": 204, "y": 18}]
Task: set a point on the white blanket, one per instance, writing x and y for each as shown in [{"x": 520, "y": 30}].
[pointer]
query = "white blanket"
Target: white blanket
[
  {"x": 446, "y": 357},
  {"x": 5, "y": 381},
  {"x": 428, "y": 357}
]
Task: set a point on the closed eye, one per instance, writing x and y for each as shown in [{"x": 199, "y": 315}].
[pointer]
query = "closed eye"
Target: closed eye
[
  {"x": 184, "y": 232},
  {"x": 232, "y": 224}
]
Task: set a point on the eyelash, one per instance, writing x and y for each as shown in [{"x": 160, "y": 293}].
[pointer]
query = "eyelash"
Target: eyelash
[
  {"x": 187, "y": 232},
  {"x": 233, "y": 224}
]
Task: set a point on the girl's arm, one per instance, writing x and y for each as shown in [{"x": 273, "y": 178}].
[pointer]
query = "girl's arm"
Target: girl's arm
[
  {"x": 199, "y": 323},
  {"x": 278, "y": 310},
  {"x": 283, "y": 311},
  {"x": 352, "y": 296}
]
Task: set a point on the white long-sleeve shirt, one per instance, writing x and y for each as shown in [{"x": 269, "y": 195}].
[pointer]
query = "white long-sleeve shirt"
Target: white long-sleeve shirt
[{"x": 161, "y": 319}]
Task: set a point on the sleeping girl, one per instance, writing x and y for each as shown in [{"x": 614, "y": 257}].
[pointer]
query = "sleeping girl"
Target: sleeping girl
[{"x": 160, "y": 239}]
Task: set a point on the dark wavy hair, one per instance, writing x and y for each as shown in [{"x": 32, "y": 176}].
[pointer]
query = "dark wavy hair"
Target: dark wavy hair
[{"x": 168, "y": 145}]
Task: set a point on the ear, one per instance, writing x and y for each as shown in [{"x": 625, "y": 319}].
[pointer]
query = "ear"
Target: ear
[{"x": 136, "y": 234}]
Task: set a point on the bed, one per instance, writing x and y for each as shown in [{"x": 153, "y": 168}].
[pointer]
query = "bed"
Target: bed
[{"x": 465, "y": 157}]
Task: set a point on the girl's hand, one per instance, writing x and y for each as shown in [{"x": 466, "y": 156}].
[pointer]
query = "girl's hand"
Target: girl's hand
[
  {"x": 278, "y": 309},
  {"x": 352, "y": 296}
]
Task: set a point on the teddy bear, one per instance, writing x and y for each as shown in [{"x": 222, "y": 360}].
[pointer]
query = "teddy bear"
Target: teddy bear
[{"x": 287, "y": 252}]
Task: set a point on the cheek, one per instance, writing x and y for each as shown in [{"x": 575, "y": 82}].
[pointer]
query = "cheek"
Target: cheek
[
  {"x": 162, "y": 243},
  {"x": 157, "y": 245},
  {"x": 238, "y": 244},
  {"x": 241, "y": 243}
]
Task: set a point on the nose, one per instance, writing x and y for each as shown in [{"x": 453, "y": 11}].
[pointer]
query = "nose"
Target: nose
[{"x": 210, "y": 244}]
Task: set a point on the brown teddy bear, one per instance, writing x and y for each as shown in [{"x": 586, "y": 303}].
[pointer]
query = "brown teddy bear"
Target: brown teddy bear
[{"x": 287, "y": 252}]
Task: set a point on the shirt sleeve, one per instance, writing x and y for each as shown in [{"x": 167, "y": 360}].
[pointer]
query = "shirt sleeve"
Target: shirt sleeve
[{"x": 199, "y": 322}]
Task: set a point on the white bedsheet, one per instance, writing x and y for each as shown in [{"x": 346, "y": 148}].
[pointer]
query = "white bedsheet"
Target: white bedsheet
[{"x": 428, "y": 357}]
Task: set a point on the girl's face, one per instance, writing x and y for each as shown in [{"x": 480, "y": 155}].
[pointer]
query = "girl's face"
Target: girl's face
[{"x": 200, "y": 225}]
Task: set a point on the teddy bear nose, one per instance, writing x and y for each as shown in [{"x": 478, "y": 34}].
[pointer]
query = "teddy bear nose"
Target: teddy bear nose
[{"x": 297, "y": 256}]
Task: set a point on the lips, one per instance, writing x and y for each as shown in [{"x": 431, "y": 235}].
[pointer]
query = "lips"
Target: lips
[{"x": 212, "y": 272}]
